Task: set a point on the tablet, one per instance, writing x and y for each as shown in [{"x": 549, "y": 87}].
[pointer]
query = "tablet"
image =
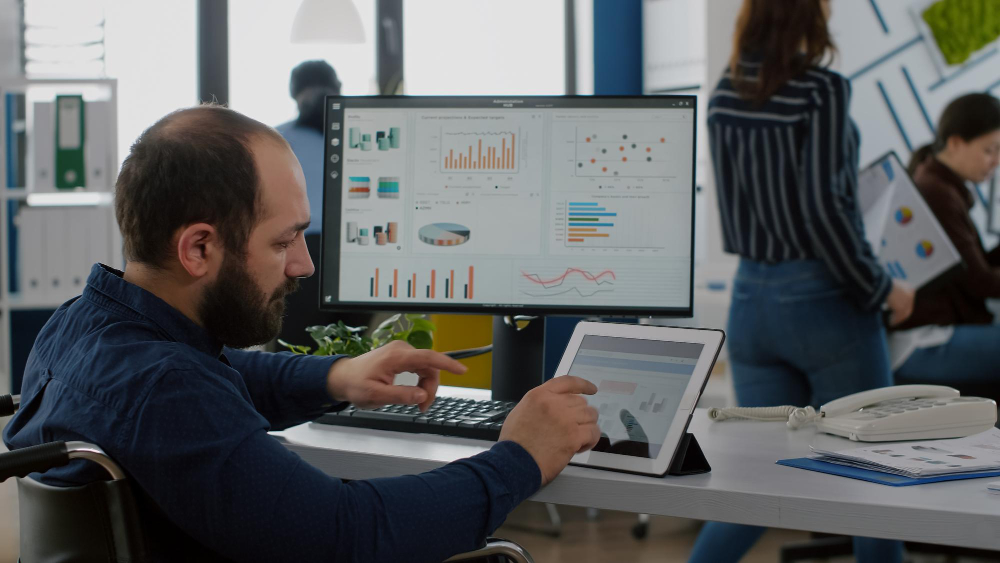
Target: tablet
[{"x": 648, "y": 379}]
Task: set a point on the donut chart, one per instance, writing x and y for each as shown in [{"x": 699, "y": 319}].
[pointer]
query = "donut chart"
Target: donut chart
[{"x": 444, "y": 234}]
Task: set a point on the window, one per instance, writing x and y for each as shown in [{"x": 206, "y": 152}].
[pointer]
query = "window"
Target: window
[
  {"x": 151, "y": 50},
  {"x": 470, "y": 47},
  {"x": 261, "y": 58}
]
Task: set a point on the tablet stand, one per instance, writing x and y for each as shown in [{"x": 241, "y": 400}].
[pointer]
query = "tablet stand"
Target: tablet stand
[{"x": 689, "y": 459}]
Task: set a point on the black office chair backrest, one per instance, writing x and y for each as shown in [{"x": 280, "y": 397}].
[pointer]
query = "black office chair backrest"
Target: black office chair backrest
[{"x": 94, "y": 522}]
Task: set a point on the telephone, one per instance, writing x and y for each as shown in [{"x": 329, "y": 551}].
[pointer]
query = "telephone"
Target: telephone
[{"x": 902, "y": 412}]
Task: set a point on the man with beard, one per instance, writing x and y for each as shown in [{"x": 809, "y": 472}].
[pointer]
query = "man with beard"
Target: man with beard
[{"x": 212, "y": 207}]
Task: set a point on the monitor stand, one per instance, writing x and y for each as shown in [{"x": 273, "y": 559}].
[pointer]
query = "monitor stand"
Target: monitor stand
[{"x": 518, "y": 357}]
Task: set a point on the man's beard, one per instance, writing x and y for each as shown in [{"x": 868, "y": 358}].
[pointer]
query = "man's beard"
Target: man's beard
[{"x": 237, "y": 312}]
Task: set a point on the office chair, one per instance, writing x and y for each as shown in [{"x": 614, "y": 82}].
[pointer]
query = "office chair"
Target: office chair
[{"x": 99, "y": 521}]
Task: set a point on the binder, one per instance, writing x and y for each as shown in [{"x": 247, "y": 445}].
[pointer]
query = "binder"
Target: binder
[
  {"x": 99, "y": 239},
  {"x": 96, "y": 147},
  {"x": 876, "y": 476},
  {"x": 70, "y": 135},
  {"x": 31, "y": 236},
  {"x": 56, "y": 256},
  {"x": 43, "y": 158},
  {"x": 79, "y": 245}
]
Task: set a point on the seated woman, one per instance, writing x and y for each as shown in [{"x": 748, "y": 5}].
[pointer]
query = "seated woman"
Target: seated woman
[{"x": 950, "y": 339}]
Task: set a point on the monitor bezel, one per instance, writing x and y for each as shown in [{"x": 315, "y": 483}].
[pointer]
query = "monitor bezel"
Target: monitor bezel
[{"x": 332, "y": 207}]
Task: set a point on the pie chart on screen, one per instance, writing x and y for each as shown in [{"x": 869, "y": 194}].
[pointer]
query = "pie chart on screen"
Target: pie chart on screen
[
  {"x": 444, "y": 234},
  {"x": 925, "y": 249}
]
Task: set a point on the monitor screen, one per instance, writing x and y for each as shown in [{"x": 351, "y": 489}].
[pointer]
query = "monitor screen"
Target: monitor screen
[{"x": 535, "y": 205}]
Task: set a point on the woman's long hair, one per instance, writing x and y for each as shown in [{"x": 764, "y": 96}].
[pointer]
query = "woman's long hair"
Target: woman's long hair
[
  {"x": 786, "y": 36},
  {"x": 968, "y": 117}
]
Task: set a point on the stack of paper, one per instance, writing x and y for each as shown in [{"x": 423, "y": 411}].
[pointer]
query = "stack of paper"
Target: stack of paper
[{"x": 972, "y": 454}]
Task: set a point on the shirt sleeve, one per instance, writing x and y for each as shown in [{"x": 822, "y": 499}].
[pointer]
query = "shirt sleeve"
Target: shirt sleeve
[
  {"x": 981, "y": 277},
  {"x": 830, "y": 208},
  {"x": 287, "y": 389},
  {"x": 204, "y": 457}
]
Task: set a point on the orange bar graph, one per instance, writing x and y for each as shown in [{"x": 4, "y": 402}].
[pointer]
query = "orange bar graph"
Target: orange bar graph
[
  {"x": 603, "y": 235},
  {"x": 395, "y": 283},
  {"x": 376, "y": 282},
  {"x": 575, "y": 240},
  {"x": 414, "y": 286},
  {"x": 511, "y": 161},
  {"x": 452, "y": 284},
  {"x": 482, "y": 154},
  {"x": 433, "y": 281},
  {"x": 582, "y": 230},
  {"x": 470, "y": 282}
]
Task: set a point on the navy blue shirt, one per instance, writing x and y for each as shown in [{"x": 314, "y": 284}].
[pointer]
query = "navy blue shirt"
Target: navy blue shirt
[
  {"x": 188, "y": 421},
  {"x": 786, "y": 177}
]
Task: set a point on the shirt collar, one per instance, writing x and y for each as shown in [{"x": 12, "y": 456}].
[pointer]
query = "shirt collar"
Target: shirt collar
[{"x": 107, "y": 286}]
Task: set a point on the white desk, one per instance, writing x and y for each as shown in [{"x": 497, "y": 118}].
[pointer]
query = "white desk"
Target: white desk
[{"x": 745, "y": 485}]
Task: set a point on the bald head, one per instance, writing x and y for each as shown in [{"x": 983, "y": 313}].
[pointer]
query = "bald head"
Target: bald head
[{"x": 195, "y": 165}]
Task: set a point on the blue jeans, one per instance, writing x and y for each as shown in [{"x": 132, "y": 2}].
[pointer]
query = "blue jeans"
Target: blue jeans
[
  {"x": 971, "y": 358},
  {"x": 796, "y": 338}
]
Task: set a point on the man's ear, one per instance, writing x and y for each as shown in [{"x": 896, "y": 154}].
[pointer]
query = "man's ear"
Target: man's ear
[{"x": 199, "y": 249}]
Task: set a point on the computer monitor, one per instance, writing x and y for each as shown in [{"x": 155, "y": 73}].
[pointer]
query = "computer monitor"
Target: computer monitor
[{"x": 509, "y": 205}]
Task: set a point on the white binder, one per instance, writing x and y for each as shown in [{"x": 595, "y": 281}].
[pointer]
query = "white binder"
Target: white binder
[{"x": 43, "y": 157}]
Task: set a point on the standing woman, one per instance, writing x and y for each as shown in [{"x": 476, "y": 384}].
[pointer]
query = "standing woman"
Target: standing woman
[
  {"x": 805, "y": 325},
  {"x": 951, "y": 338}
]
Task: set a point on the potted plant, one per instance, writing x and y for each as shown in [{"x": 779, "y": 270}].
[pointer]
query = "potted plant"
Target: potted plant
[{"x": 338, "y": 338}]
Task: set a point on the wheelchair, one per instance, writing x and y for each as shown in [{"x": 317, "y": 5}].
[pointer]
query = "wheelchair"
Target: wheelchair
[{"x": 99, "y": 521}]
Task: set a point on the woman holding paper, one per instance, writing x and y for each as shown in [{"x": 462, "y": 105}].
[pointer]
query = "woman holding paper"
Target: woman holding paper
[
  {"x": 805, "y": 324},
  {"x": 951, "y": 338}
]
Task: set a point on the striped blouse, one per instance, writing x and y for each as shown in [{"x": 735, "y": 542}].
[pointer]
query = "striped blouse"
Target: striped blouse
[{"x": 786, "y": 174}]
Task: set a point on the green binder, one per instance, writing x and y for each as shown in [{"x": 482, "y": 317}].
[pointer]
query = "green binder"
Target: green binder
[{"x": 69, "y": 141}]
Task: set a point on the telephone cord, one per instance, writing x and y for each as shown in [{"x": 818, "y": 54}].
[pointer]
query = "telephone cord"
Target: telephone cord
[{"x": 796, "y": 417}]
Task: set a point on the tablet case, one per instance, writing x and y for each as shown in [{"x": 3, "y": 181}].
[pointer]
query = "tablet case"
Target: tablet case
[{"x": 689, "y": 459}]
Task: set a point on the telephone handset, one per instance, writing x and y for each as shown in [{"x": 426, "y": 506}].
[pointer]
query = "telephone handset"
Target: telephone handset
[{"x": 902, "y": 412}]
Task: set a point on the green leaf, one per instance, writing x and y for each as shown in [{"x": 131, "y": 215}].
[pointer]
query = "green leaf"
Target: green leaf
[
  {"x": 388, "y": 322},
  {"x": 420, "y": 340},
  {"x": 414, "y": 316},
  {"x": 422, "y": 325}
]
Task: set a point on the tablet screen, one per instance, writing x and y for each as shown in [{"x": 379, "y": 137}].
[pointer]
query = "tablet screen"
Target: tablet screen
[{"x": 640, "y": 384}]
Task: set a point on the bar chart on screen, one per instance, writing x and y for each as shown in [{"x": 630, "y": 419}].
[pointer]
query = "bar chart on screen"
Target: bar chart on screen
[
  {"x": 612, "y": 222},
  {"x": 433, "y": 283},
  {"x": 479, "y": 151}
]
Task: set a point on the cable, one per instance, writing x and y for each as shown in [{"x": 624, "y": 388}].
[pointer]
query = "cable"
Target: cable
[
  {"x": 469, "y": 352},
  {"x": 796, "y": 417}
]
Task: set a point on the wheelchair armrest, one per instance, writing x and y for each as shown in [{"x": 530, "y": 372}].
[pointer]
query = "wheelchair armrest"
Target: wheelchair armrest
[
  {"x": 33, "y": 459},
  {"x": 495, "y": 547},
  {"x": 9, "y": 404},
  {"x": 41, "y": 458}
]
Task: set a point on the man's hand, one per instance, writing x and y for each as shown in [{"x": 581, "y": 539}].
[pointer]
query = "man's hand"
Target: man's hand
[
  {"x": 553, "y": 422},
  {"x": 367, "y": 380}
]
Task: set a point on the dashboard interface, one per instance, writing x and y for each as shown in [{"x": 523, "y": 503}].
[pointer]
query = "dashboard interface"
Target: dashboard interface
[{"x": 561, "y": 204}]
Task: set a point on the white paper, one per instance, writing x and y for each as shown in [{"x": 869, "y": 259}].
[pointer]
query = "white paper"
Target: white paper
[{"x": 972, "y": 454}]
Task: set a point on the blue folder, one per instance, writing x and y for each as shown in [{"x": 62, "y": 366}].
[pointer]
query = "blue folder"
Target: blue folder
[{"x": 876, "y": 476}]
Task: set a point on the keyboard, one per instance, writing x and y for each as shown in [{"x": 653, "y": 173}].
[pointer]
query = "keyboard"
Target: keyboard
[{"x": 448, "y": 416}]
